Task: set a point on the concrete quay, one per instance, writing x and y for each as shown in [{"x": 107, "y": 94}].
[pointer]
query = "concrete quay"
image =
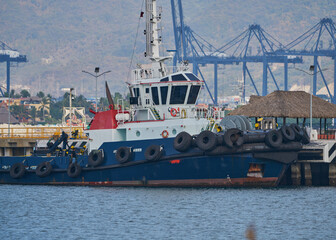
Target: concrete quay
[{"x": 17, "y": 147}]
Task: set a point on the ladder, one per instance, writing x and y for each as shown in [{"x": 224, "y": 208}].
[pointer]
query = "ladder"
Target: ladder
[{"x": 156, "y": 114}]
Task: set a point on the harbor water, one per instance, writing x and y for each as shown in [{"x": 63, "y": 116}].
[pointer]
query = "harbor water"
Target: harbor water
[{"x": 54, "y": 212}]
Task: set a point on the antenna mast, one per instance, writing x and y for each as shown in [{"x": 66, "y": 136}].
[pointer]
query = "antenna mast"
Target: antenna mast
[{"x": 152, "y": 37}]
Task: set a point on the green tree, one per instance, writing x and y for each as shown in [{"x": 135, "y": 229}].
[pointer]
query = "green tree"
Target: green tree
[
  {"x": 24, "y": 93},
  {"x": 103, "y": 104},
  {"x": 32, "y": 114},
  {"x": 45, "y": 102},
  {"x": 40, "y": 94}
]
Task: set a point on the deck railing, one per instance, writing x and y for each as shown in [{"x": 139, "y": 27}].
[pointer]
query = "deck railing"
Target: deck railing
[
  {"x": 327, "y": 134},
  {"x": 38, "y": 132}
]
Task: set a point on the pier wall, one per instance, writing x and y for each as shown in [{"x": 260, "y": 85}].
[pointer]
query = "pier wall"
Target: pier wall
[
  {"x": 310, "y": 174},
  {"x": 16, "y": 147}
]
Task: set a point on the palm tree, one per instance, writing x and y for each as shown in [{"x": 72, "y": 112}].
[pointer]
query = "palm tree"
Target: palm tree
[
  {"x": 45, "y": 104},
  {"x": 33, "y": 113}
]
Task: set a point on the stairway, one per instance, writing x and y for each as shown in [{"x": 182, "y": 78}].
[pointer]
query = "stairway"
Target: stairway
[{"x": 156, "y": 114}]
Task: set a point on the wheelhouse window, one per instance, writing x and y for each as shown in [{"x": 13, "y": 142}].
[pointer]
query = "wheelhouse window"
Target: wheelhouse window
[
  {"x": 178, "y": 77},
  {"x": 193, "y": 94},
  {"x": 164, "y": 93},
  {"x": 155, "y": 95},
  {"x": 178, "y": 94},
  {"x": 192, "y": 77},
  {"x": 136, "y": 92},
  {"x": 166, "y": 79}
]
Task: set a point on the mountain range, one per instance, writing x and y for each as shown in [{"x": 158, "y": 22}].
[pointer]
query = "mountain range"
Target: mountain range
[{"x": 61, "y": 38}]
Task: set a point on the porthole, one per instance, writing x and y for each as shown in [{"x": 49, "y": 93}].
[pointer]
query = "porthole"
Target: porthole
[
  {"x": 137, "y": 133},
  {"x": 174, "y": 131}
]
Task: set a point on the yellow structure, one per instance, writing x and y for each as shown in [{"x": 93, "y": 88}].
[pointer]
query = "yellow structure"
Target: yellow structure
[{"x": 38, "y": 132}]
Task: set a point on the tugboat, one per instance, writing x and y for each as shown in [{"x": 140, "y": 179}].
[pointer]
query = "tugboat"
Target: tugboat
[{"x": 162, "y": 140}]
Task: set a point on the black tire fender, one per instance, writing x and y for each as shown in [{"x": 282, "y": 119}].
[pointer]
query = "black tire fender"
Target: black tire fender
[
  {"x": 182, "y": 141},
  {"x": 288, "y": 133},
  {"x": 74, "y": 170},
  {"x": 17, "y": 170},
  {"x": 233, "y": 138},
  {"x": 273, "y": 139},
  {"x": 123, "y": 154},
  {"x": 153, "y": 153},
  {"x": 298, "y": 131},
  {"x": 43, "y": 169},
  {"x": 96, "y": 158},
  {"x": 305, "y": 138},
  {"x": 206, "y": 141}
]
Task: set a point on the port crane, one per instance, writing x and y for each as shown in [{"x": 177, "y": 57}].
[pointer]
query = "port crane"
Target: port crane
[
  {"x": 310, "y": 44},
  {"x": 191, "y": 47},
  {"x": 9, "y": 55}
]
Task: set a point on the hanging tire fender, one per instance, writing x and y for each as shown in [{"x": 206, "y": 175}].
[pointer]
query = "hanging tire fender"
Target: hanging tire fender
[
  {"x": 305, "y": 138},
  {"x": 43, "y": 169},
  {"x": 206, "y": 141},
  {"x": 182, "y": 141},
  {"x": 288, "y": 133},
  {"x": 96, "y": 157},
  {"x": 298, "y": 131},
  {"x": 124, "y": 154},
  {"x": 74, "y": 170},
  {"x": 233, "y": 138},
  {"x": 273, "y": 139},
  {"x": 17, "y": 170},
  {"x": 153, "y": 153}
]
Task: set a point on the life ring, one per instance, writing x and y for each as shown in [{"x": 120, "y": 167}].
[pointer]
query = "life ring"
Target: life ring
[
  {"x": 96, "y": 158},
  {"x": 173, "y": 112},
  {"x": 43, "y": 169},
  {"x": 183, "y": 113},
  {"x": 123, "y": 154},
  {"x": 17, "y": 170},
  {"x": 165, "y": 134},
  {"x": 74, "y": 170}
]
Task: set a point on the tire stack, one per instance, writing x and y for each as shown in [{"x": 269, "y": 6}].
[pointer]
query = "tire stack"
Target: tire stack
[{"x": 235, "y": 140}]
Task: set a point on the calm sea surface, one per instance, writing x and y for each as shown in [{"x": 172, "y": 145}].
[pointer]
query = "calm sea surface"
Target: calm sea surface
[{"x": 49, "y": 212}]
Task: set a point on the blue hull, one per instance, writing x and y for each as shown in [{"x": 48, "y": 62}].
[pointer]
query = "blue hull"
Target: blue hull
[{"x": 194, "y": 168}]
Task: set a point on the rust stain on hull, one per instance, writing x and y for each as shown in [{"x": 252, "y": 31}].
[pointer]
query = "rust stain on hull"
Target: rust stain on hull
[{"x": 233, "y": 182}]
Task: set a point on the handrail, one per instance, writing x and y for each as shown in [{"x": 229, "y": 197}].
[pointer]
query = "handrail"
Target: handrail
[{"x": 39, "y": 132}]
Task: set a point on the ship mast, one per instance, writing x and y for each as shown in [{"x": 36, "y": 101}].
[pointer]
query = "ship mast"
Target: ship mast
[
  {"x": 152, "y": 36},
  {"x": 153, "y": 40}
]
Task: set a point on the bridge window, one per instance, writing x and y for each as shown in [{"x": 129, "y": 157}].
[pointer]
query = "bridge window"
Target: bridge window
[
  {"x": 164, "y": 93},
  {"x": 193, "y": 94},
  {"x": 178, "y": 94},
  {"x": 136, "y": 92},
  {"x": 178, "y": 77},
  {"x": 192, "y": 77},
  {"x": 155, "y": 95},
  {"x": 166, "y": 79}
]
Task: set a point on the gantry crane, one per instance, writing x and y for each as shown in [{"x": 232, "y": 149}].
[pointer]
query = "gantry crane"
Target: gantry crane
[{"x": 9, "y": 55}]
